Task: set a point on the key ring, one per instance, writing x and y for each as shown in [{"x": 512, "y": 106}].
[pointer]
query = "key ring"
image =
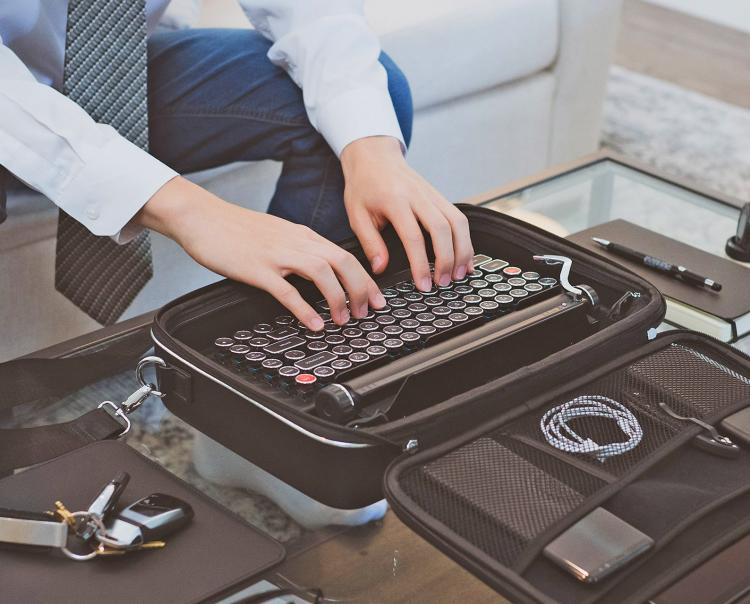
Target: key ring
[{"x": 99, "y": 526}]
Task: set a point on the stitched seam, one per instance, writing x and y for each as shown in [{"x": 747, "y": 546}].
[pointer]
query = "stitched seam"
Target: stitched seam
[
  {"x": 318, "y": 203},
  {"x": 235, "y": 114}
]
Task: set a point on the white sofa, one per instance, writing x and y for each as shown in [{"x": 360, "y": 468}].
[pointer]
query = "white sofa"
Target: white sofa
[{"x": 502, "y": 89}]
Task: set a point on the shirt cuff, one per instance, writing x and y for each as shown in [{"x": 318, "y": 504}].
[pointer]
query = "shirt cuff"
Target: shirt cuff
[
  {"x": 356, "y": 114},
  {"x": 112, "y": 186}
]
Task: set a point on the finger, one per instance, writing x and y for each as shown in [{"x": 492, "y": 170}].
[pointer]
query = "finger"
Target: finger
[
  {"x": 369, "y": 236},
  {"x": 285, "y": 293},
  {"x": 359, "y": 285},
  {"x": 439, "y": 228},
  {"x": 319, "y": 271},
  {"x": 411, "y": 237},
  {"x": 463, "y": 250}
]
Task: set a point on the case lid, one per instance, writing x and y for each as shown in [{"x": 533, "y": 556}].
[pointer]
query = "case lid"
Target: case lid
[{"x": 493, "y": 497}]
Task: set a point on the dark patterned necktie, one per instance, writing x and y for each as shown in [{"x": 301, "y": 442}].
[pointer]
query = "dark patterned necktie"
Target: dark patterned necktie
[{"x": 105, "y": 73}]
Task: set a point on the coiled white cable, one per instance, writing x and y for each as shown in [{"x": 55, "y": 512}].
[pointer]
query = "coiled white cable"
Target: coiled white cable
[{"x": 559, "y": 434}]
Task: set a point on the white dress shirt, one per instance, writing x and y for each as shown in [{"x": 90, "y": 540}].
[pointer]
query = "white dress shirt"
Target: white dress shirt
[{"x": 100, "y": 178}]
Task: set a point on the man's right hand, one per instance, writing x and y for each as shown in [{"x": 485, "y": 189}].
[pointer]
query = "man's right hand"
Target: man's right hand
[{"x": 260, "y": 250}]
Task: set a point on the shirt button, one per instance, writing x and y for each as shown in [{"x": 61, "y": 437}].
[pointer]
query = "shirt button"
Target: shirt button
[{"x": 92, "y": 212}]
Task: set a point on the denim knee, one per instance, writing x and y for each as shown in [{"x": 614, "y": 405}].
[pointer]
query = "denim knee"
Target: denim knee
[{"x": 398, "y": 87}]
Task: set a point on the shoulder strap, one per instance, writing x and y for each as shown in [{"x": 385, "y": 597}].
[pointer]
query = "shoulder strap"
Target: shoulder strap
[{"x": 27, "y": 381}]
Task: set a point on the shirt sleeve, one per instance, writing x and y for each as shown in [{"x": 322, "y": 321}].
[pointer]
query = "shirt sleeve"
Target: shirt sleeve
[
  {"x": 87, "y": 169},
  {"x": 328, "y": 49}
]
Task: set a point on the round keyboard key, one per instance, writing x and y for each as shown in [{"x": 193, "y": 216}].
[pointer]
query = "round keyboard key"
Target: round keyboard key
[
  {"x": 341, "y": 364},
  {"x": 416, "y": 307},
  {"x": 478, "y": 284},
  {"x": 323, "y": 372},
  {"x": 456, "y": 305},
  {"x": 502, "y": 287},
  {"x": 351, "y": 332},
  {"x": 376, "y": 336},
  {"x": 369, "y": 316},
  {"x": 547, "y": 282},
  {"x": 448, "y": 295},
  {"x": 433, "y": 301},
  {"x": 389, "y": 293},
  {"x": 475, "y": 274},
  {"x": 425, "y": 317},
  {"x": 284, "y": 320},
  {"x": 238, "y": 351},
  {"x": 443, "y": 311},
  {"x": 518, "y": 293},
  {"x": 222, "y": 345},
  {"x": 486, "y": 293},
  {"x": 401, "y": 313},
  {"x": 294, "y": 355},
  {"x": 352, "y": 322},
  {"x": 393, "y": 344},
  {"x": 325, "y": 316},
  {"x": 532, "y": 288},
  {"x": 409, "y": 338},
  {"x": 369, "y": 326},
  {"x": 323, "y": 305},
  {"x": 305, "y": 381},
  {"x": 472, "y": 299},
  {"x": 505, "y": 301},
  {"x": 254, "y": 359},
  {"x": 409, "y": 324},
  {"x": 393, "y": 330},
  {"x": 376, "y": 351},
  {"x": 359, "y": 343},
  {"x": 243, "y": 335},
  {"x": 313, "y": 335},
  {"x": 493, "y": 278},
  {"x": 343, "y": 350},
  {"x": 442, "y": 323},
  {"x": 426, "y": 330},
  {"x": 317, "y": 346},
  {"x": 512, "y": 271},
  {"x": 385, "y": 320},
  {"x": 271, "y": 365},
  {"x": 397, "y": 302},
  {"x": 530, "y": 276},
  {"x": 335, "y": 339},
  {"x": 489, "y": 305},
  {"x": 381, "y": 311},
  {"x": 462, "y": 290},
  {"x": 404, "y": 286},
  {"x": 433, "y": 291},
  {"x": 287, "y": 373},
  {"x": 413, "y": 296},
  {"x": 262, "y": 328},
  {"x": 359, "y": 357},
  {"x": 258, "y": 342},
  {"x": 458, "y": 317},
  {"x": 474, "y": 311},
  {"x": 517, "y": 281},
  {"x": 332, "y": 328}
]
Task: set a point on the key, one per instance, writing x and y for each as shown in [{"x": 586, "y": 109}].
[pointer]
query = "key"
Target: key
[
  {"x": 104, "y": 503},
  {"x": 281, "y": 333},
  {"x": 311, "y": 362},
  {"x": 147, "y": 520},
  {"x": 280, "y": 346}
]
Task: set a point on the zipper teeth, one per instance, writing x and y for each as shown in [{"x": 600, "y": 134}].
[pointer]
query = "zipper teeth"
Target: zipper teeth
[{"x": 281, "y": 418}]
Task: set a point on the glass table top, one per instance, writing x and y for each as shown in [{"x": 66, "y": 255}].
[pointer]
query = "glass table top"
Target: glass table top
[{"x": 607, "y": 190}]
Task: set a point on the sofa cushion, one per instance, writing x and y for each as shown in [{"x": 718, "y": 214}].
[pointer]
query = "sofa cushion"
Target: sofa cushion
[{"x": 452, "y": 48}]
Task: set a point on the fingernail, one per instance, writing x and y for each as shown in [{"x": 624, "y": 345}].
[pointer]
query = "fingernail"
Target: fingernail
[
  {"x": 460, "y": 273},
  {"x": 376, "y": 262},
  {"x": 425, "y": 284},
  {"x": 445, "y": 279},
  {"x": 379, "y": 301},
  {"x": 316, "y": 324}
]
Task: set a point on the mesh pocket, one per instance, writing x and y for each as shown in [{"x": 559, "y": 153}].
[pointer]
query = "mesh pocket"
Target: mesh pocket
[
  {"x": 504, "y": 489},
  {"x": 498, "y": 494}
]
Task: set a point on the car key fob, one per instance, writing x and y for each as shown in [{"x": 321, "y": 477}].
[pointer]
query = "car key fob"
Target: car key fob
[{"x": 149, "y": 519}]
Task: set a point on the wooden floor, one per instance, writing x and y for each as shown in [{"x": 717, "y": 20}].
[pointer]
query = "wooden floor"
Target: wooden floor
[{"x": 693, "y": 53}]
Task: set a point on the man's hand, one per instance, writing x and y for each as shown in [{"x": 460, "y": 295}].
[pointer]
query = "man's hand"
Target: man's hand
[
  {"x": 381, "y": 188},
  {"x": 260, "y": 250}
]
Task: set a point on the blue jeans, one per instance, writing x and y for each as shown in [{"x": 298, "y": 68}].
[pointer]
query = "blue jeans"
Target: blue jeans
[{"x": 215, "y": 98}]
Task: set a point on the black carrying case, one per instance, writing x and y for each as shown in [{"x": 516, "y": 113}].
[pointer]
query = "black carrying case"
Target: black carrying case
[{"x": 468, "y": 468}]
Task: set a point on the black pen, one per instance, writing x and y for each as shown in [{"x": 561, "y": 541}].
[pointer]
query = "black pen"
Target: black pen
[{"x": 677, "y": 271}]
